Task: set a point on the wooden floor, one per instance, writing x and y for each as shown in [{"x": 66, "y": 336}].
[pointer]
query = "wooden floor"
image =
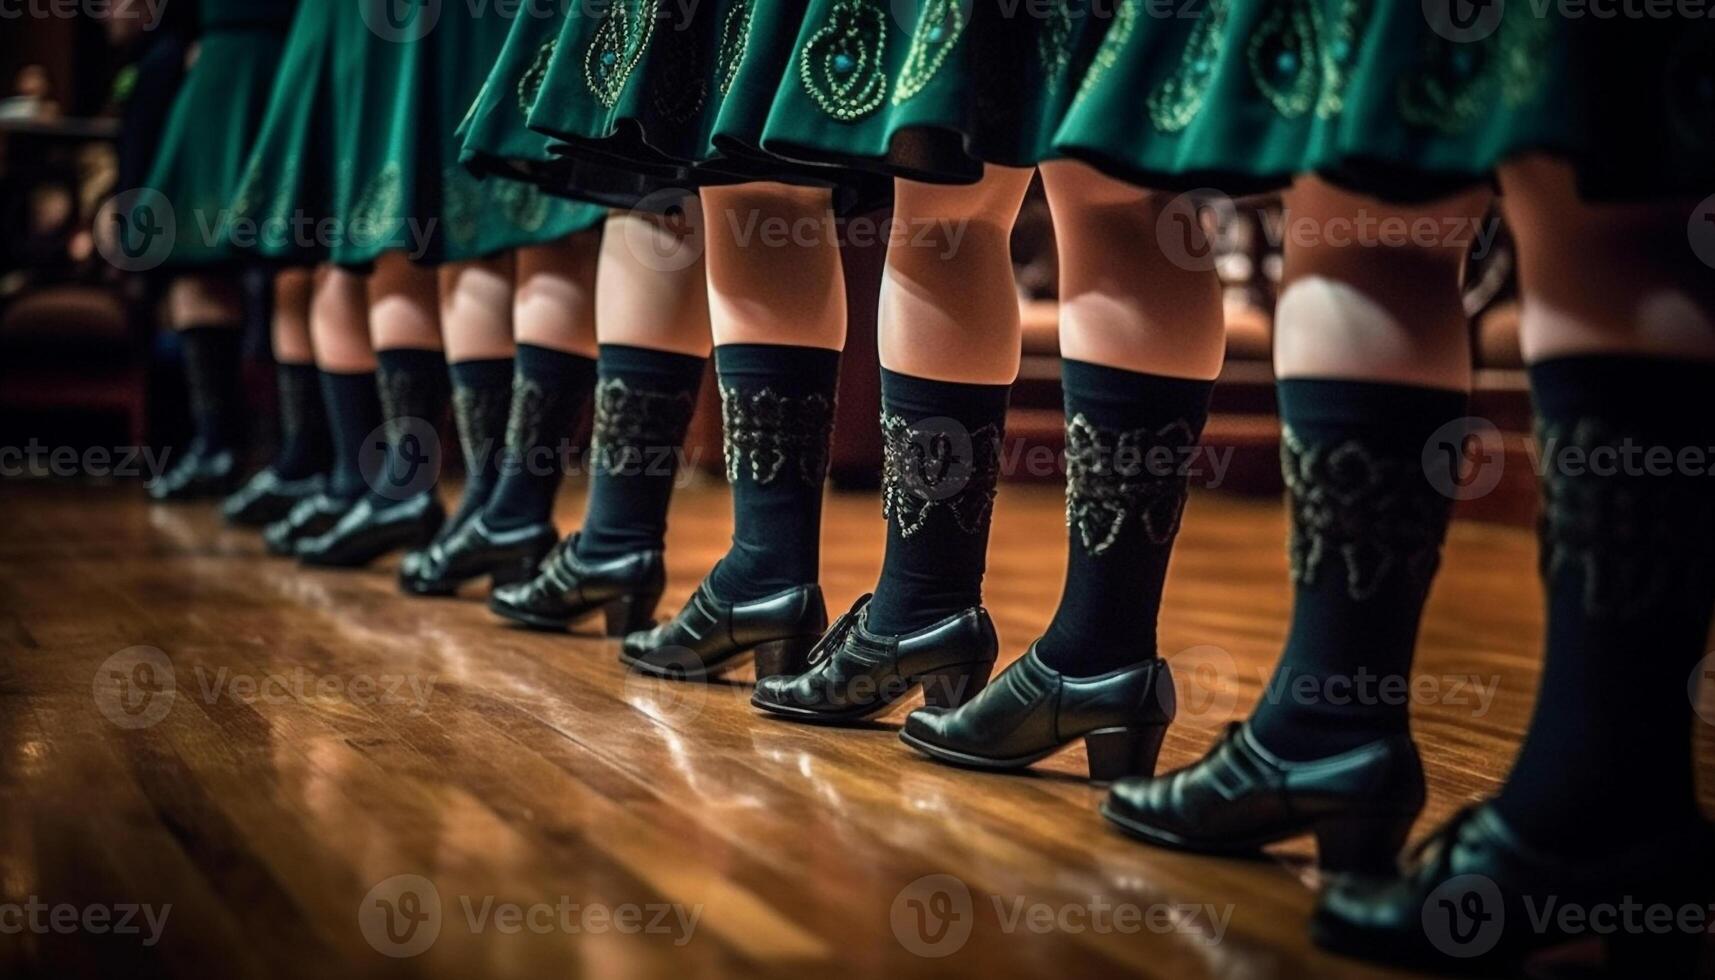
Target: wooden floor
[{"x": 304, "y": 738}]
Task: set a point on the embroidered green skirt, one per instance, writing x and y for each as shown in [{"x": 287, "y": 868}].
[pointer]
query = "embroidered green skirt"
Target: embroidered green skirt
[
  {"x": 1373, "y": 95},
  {"x": 933, "y": 90},
  {"x": 282, "y": 209},
  {"x": 496, "y": 144},
  {"x": 212, "y": 124},
  {"x": 401, "y": 185}
]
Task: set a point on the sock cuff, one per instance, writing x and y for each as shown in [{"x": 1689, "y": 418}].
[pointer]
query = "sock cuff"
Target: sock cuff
[
  {"x": 1117, "y": 397},
  {"x": 487, "y": 373},
  {"x": 1408, "y": 413},
  {"x": 1653, "y": 393},
  {"x": 410, "y": 358},
  {"x": 913, "y": 398},
  {"x": 550, "y": 364},
  {"x": 668, "y": 367},
  {"x": 789, "y": 369}
]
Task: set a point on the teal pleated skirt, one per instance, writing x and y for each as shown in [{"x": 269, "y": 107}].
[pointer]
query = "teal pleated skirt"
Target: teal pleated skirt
[{"x": 210, "y": 129}]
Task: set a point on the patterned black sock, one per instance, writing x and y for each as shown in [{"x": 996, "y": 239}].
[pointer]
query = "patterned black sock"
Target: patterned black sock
[
  {"x": 482, "y": 394},
  {"x": 414, "y": 395},
  {"x": 549, "y": 395},
  {"x": 1367, "y": 527},
  {"x": 1129, "y": 437},
  {"x": 777, "y": 407},
  {"x": 1627, "y": 526},
  {"x": 942, "y": 463},
  {"x": 212, "y": 365},
  {"x": 354, "y": 412},
  {"x": 643, "y": 406},
  {"x": 304, "y": 447}
]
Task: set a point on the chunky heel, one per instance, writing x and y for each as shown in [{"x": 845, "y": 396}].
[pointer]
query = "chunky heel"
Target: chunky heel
[
  {"x": 1368, "y": 844},
  {"x": 1116, "y": 753},
  {"x": 630, "y": 614},
  {"x": 951, "y": 687},
  {"x": 784, "y": 658}
]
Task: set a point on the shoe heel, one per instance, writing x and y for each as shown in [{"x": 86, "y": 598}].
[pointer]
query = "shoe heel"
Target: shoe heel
[
  {"x": 784, "y": 658},
  {"x": 1367, "y": 844},
  {"x": 951, "y": 687},
  {"x": 1116, "y": 753},
  {"x": 629, "y": 614}
]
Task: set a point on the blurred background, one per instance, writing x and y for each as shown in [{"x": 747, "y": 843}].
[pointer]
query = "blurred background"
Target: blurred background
[{"x": 83, "y": 364}]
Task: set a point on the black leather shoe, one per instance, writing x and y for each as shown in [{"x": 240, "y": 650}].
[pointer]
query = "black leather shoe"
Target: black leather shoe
[
  {"x": 198, "y": 475},
  {"x": 373, "y": 528},
  {"x": 1032, "y": 711},
  {"x": 711, "y": 635},
  {"x": 309, "y": 518},
  {"x": 1240, "y": 797},
  {"x": 856, "y": 675},
  {"x": 567, "y": 589},
  {"x": 265, "y": 498},
  {"x": 1474, "y": 897},
  {"x": 473, "y": 551}
]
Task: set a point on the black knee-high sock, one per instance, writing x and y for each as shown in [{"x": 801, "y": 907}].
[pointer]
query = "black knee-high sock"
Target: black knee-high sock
[
  {"x": 304, "y": 447},
  {"x": 942, "y": 444},
  {"x": 1367, "y": 527},
  {"x": 414, "y": 394},
  {"x": 1628, "y": 523},
  {"x": 1129, "y": 437},
  {"x": 212, "y": 364},
  {"x": 643, "y": 406},
  {"x": 777, "y": 407},
  {"x": 354, "y": 413},
  {"x": 482, "y": 395},
  {"x": 549, "y": 396}
]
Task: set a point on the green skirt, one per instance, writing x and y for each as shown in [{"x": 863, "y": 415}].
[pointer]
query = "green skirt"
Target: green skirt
[
  {"x": 401, "y": 185},
  {"x": 677, "y": 95},
  {"x": 283, "y": 208},
  {"x": 495, "y": 143},
  {"x": 933, "y": 90},
  {"x": 1371, "y": 94},
  {"x": 205, "y": 145}
]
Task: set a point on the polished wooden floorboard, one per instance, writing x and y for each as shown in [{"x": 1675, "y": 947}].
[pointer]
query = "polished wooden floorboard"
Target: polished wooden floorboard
[{"x": 325, "y": 734}]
